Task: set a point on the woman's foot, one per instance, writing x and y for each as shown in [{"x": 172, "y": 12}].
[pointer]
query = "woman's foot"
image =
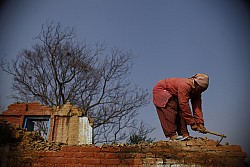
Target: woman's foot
[
  {"x": 174, "y": 137},
  {"x": 179, "y": 138},
  {"x": 184, "y": 138}
]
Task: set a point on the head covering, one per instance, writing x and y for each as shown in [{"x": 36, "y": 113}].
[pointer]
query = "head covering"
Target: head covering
[{"x": 202, "y": 80}]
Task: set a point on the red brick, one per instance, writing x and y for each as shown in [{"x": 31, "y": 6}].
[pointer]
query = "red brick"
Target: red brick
[
  {"x": 53, "y": 154},
  {"x": 110, "y": 161},
  {"x": 221, "y": 154},
  {"x": 47, "y": 165},
  {"x": 181, "y": 154},
  {"x": 110, "y": 149},
  {"x": 13, "y": 119},
  {"x": 67, "y": 160},
  {"x": 131, "y": 161},
  {"x": 199, "y": 142},
  {"x": 89, "y": 149},
  {"x": 70, "y": 154},
  {"x": 140, "y": 155},
  {"x": 236, "y": 154},
  {"x": 153, "y": 149},
  {"x": 99, "y": 155},
  {"x": 232, "y": 148},
  {"x": 110, "y": 156},
  {"x": 90, "y": 161},
  {"x": 37, "y": 165},
  {"x": 85, "y": 154},
  {"x": 101, "y": 165},
  {"x": 51, "y": 160},
  {"x": 161, "y": 143},
  {"x": 73, "y": 165},
  {"x": 211, "y": 143},
  {"x": 174, "y": 143},
  {"x": 70, "y": 148},
  {"x": 191, "y": 143},
  {"x": 134, "y": 149},
  {"x": 192, "y": 148},
  {"x": 212, "y": 148},
  {"x": 149, "y": 160},
  {"x": 150, "y": 155},
  {"x": 127, "y": 155}
]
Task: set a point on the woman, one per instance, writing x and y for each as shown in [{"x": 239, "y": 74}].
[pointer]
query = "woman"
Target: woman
[{"x": 171, "y": 98}]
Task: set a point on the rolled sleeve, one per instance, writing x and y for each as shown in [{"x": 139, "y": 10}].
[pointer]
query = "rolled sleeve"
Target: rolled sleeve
[
  {"x": 183, "y": 98},
  {"x": 197, "y": 109}
]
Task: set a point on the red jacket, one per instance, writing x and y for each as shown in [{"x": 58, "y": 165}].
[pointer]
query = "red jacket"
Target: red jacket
[{"x": 182, "y": 88}]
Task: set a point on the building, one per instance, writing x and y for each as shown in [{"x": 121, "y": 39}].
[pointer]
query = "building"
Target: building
[{"x": 65, "y": 124}]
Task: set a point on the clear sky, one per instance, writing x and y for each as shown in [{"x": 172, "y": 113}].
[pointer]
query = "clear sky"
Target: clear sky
[{"x": 169, "y": 38}]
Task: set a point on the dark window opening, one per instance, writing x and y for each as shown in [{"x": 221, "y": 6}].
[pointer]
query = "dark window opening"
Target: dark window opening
[{"x": 39, "y": 124}]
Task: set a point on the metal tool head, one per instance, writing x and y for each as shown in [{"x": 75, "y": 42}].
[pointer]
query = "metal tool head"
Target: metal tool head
[{"x": 222, "y": 136}]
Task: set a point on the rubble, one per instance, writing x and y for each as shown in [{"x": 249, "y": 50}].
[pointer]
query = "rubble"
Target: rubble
[
  {"x": 19, "y": 147},
  {"x": 25, "y": 140}
]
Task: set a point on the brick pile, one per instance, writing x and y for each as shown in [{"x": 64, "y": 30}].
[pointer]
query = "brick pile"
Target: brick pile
[
  {"x": 15, "y": 142},
  {"x": 21, "y": 148}
]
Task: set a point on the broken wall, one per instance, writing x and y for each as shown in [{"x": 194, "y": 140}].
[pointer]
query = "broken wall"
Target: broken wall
[
  {"x": 26, "y": 149},
  {"x": 71, "y": 126},
  {"x": 66, "y": 123},
  {"x": 18, "y": 111}
]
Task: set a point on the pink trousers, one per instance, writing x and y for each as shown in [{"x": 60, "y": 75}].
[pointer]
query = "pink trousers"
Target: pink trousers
[{"x": 171, "y": 121}]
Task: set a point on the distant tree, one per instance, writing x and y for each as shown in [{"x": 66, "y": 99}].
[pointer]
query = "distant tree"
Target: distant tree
[
  {"x": 140, "y": 135},
  {"x": 58, "y": 69},
  {"x": 1, "y": 108},
  {"x": 41, "y": 127}
]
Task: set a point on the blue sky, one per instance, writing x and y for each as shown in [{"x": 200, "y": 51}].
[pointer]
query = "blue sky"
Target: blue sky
[{"x": 169, "y": 38}]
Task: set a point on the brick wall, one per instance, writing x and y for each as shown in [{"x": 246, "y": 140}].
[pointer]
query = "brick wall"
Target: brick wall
[
  {"x": 156, "y": 154},
  {"x": 29, "y": 150},
  {"x": 16, "y": 112},
  {"x": 64, "y": 120}
]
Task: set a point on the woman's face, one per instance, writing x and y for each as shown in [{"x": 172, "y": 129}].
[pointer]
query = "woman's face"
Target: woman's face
[{"x": 198, "y": 88}]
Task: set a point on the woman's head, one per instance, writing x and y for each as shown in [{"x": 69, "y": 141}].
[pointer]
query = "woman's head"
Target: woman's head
[{"x": 201, "y": 82}]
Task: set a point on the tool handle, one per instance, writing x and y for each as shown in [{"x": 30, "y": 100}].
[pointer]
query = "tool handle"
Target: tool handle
[{"x": 214, "y": 133}]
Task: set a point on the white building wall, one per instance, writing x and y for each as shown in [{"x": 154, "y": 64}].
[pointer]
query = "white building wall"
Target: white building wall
[{"x": 85, "y": 131}]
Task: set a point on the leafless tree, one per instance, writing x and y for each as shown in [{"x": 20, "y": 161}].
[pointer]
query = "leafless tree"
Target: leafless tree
[
  {"x": 41, "y": 127},
  {"x": 58, "y": 69}
]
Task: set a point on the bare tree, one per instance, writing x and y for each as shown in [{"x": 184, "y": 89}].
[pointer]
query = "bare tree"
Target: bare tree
[
  {"x": 41, "y": 127},
  {"x": 58, "y": 69}
]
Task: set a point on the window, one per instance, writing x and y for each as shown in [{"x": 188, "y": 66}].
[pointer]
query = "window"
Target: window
[{"x": 38, "y": 124}]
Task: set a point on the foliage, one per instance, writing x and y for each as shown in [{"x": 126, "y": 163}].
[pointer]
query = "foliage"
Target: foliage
[{"x": 140, "y": 135}]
